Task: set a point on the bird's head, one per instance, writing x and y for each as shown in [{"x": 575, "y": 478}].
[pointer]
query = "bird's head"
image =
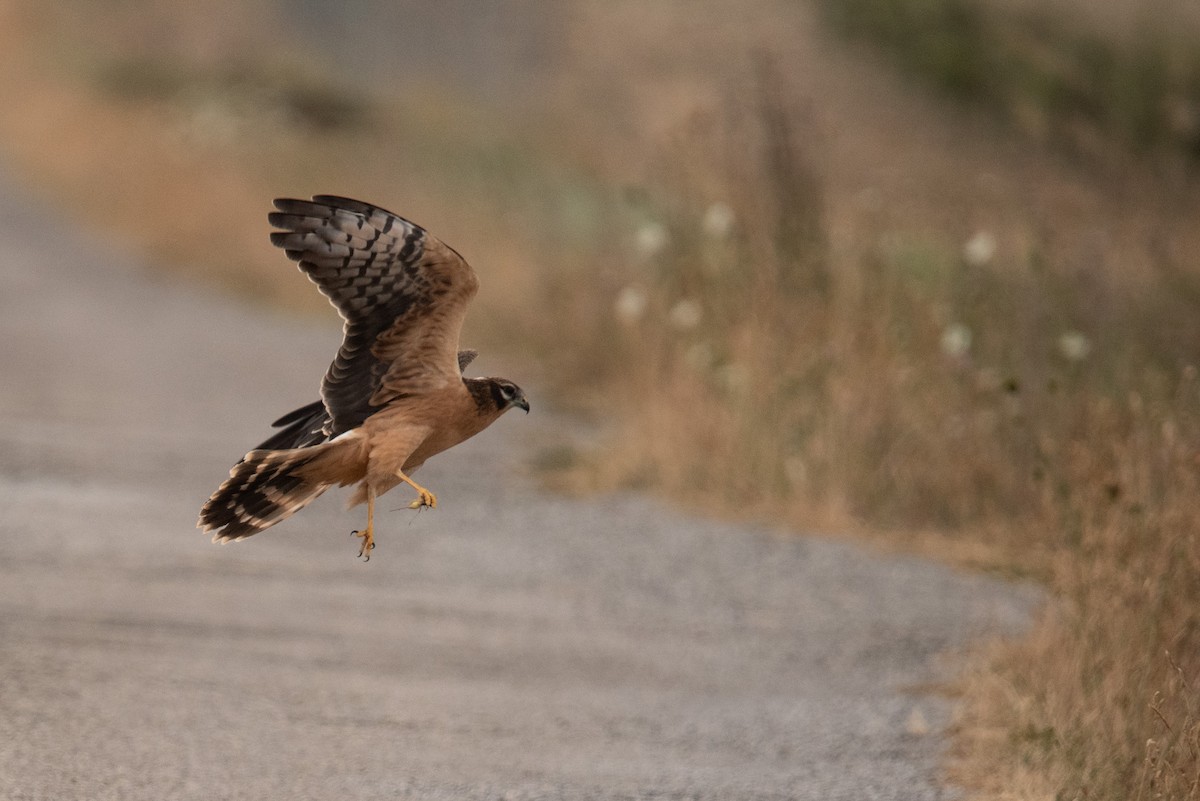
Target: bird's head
[
  {"x": 495, "y": 396},
  {"x": 506, "y": 395}
]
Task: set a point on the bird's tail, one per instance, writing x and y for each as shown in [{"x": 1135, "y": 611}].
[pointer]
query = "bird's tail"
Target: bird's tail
[{"x": 267, "y": 487}]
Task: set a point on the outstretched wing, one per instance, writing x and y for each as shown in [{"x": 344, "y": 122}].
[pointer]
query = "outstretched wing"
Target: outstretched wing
[{"x": 402, "y": 294}]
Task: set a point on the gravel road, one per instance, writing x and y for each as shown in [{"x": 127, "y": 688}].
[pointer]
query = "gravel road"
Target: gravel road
[{"x": 509, "y": 645}]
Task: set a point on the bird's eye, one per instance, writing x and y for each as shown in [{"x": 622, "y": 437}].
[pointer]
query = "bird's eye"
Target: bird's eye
[{"x": 507, "y": 391}]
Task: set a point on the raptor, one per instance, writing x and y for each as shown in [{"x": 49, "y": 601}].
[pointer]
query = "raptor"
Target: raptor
[{"x": 395, "y": 394}]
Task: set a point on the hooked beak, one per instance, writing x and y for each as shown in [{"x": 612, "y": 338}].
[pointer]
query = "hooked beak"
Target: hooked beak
[{"x": 521, "y": 403}]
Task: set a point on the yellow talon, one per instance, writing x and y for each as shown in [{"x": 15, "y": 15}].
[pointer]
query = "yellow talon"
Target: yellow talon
[
  {"x": 368, "y": 534},
  {"x": 368, "y": 544},
  {"x": 427, "y": 499}
]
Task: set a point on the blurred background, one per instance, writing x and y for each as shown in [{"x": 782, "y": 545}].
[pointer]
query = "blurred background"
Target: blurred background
[{"x": 919, "y": 271}]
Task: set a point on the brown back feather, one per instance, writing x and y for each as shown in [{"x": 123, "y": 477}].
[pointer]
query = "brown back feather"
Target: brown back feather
[{"x": 402, "y": 293}]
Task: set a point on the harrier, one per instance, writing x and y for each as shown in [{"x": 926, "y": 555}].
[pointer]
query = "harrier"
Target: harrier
[{"x": 394, "y": 395}]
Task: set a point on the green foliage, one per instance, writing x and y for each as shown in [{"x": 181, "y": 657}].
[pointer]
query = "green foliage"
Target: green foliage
[
  {"x": 244, "y": 89},
  {"x": 1040, "y": 69}
]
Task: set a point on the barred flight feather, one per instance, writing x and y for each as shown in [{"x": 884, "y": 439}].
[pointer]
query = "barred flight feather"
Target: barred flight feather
[{"x": 262, "y": 489}]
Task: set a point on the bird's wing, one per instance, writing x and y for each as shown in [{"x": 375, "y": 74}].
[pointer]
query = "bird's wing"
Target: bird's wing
[
  {"x": 310, "y": 425},
  {"x": 465, "y": 357},
  {"x": 402, "y": 294}
]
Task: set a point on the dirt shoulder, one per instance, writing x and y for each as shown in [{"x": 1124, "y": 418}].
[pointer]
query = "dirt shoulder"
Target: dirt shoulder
[{"x": 512, "y": 644}]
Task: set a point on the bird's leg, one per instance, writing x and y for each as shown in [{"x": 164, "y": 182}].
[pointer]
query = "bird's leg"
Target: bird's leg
[
  {"x": 426, "y": 498},
  {"x": 368, "y": 536}
]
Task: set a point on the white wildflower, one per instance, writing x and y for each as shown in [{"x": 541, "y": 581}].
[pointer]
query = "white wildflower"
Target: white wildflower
[
  {"x": 630, "y": 305},
  {"x": 979, "y": 249},
  {"x": 652, "y": 239},
  {"x": 685, "y": 315},
  {"x": 956, "y": 341},
  {"x": 718, "y": 220},
  {"x": 1074, "y": 346}
]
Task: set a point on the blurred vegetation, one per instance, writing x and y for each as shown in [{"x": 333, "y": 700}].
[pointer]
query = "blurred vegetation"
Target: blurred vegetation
[
  {"x": 1048, "y": 410},
  {"x": 1032, "y": 412},
  {"x": 1043, "y": 68},
  {"x": 294, "y": 96},
  {"x": 1054, "y": 414}
]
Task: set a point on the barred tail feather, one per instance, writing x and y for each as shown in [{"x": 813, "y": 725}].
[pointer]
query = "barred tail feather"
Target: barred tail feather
[{"x": 262, "y": 489}]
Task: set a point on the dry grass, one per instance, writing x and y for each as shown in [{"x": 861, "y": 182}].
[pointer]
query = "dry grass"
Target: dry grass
[
  {"x": 987, "y": 352},
  {"x": 172, "y": 130},
  {"x": 1115, "y": 76},
  {"x": 1020, "y": 393},
  {"x": 1054, "y": 418},
  {"x": 1101, "y": 701}
]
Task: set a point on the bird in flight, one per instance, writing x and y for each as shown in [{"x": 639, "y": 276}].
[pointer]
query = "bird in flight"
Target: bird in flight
[{"x": 395, "y": 393}]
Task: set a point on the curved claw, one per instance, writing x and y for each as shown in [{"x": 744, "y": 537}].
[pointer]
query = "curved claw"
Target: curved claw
[
  {"x": 368, "y": 544},
  {"x": 426, "y": 498}
]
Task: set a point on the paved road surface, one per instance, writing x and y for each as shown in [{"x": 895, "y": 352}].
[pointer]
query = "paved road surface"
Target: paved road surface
[{"x": 509, "y": 645}]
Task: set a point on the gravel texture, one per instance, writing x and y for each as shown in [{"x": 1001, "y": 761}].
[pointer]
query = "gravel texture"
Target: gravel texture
[{"x": 510, "y": 644}]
